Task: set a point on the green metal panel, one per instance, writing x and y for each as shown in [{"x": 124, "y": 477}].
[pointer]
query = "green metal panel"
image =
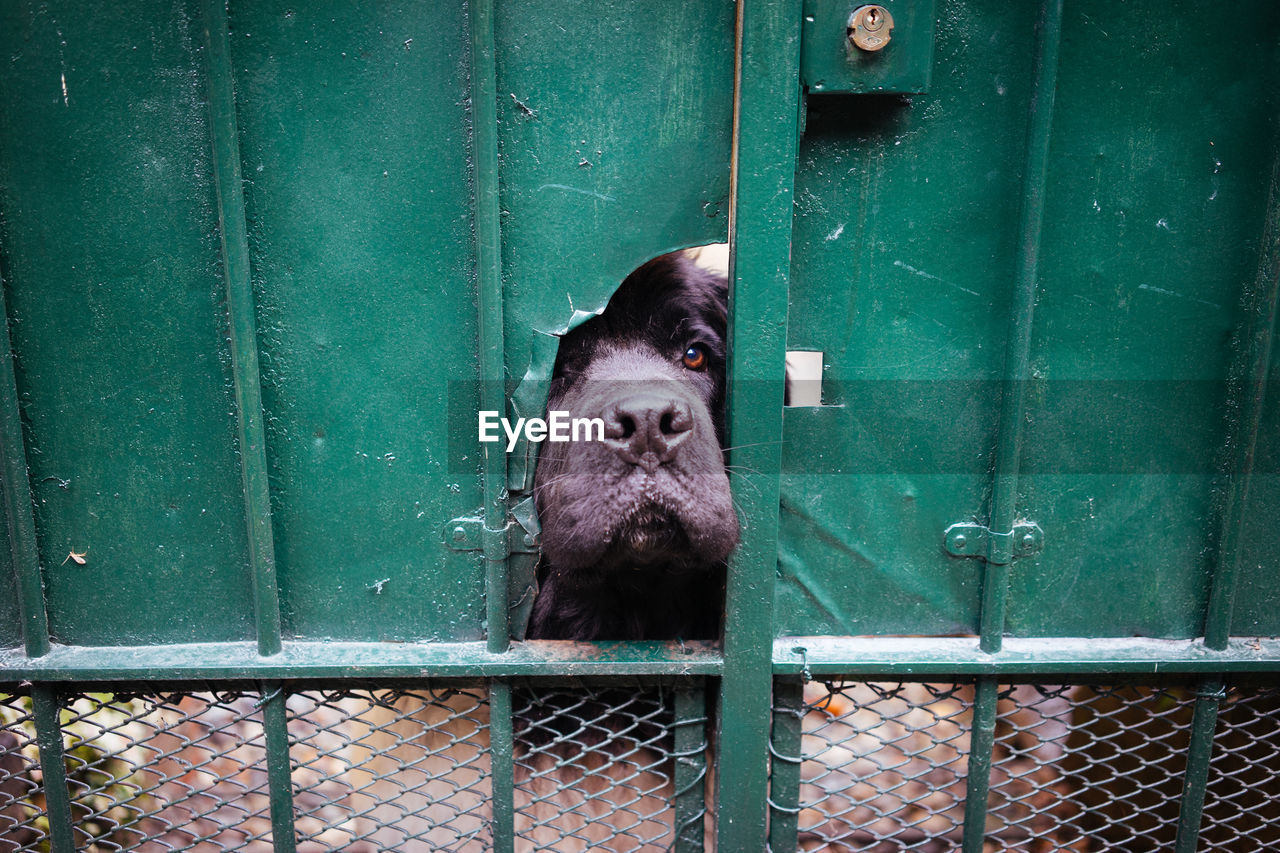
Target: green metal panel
[
  {"x": 113, "y": 280},
  {"x": 1156, "y": 204},
  {"x": 1153, "y": 221},
  {"x": 10, "y": 617},
  {"x": 359, "y": 226},
  {"x": 905, "y": 230},
  {"x": 615, "y": 120}
]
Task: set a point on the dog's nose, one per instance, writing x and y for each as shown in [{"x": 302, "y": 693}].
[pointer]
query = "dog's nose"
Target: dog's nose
[{"x": 646, "y": 429}]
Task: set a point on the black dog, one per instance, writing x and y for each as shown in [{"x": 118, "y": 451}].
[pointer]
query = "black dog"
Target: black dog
[{"x": 636, "y": 528}]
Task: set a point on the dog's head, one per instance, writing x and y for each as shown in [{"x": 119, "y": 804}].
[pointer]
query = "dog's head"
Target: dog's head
[{"x": 646, "y": 511}]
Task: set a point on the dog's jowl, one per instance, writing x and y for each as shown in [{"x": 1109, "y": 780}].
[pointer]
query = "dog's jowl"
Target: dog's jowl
[{"x": 637, "y": 527}]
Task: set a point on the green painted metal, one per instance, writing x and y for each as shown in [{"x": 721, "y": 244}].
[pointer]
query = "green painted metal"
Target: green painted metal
[
  {"x": 46, "y": 710},
  {"x": 689, "y": 778},
  {"x": 933, "y": 656},
  {"x": 24, "y": 613},
  {"x": 360, "y": 660},
  {"x": 115, "y": 299},
  {"x": 1255, "y": 355},
  {"x": 359, "y": 204},
  {"x": 906, "y": 247},
  {"x": 229, "y": 186},
  {"x": 1017, "y": 359},
  {"x": 785, "y": 757},
  {"x": 397, "y": 207},
  {"x": 828, "y": 64},
  {"x": 279, "y": 766},
  {"x": 1204, "y": 722},
  {"x": 766, "y": 110},
  {"x": 502, "y": 758},
  {"x": 489, "y": 304},
  {"x": 1168, "y": 353},
  {"x": 982, "y": 736}
]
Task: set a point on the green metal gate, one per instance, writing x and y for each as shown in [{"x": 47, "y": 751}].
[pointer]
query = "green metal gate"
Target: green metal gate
[{"x": 1012, "y": 585}]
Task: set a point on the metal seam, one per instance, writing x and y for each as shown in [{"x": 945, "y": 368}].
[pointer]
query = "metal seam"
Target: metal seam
[
  {"x": 19, "y": 508},
  {"x": 1259, "y": 337},
  {"x": 1018, "y": 340},
  {"x": 241, "y": 308},
  {"x": 488, "y": 229}
]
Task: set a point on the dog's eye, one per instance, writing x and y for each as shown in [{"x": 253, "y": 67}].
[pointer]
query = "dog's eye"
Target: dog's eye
[{"x": 695, "y": 357}]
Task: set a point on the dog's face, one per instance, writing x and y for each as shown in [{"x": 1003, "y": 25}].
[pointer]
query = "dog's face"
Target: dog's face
[{"x": 645, "y": 513}]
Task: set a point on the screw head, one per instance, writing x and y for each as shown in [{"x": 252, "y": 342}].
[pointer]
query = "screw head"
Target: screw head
[
  {"x": 1029, "y": 540},
  {"x": 959, "y": 541},
  {"x": 459, "y": 533}
]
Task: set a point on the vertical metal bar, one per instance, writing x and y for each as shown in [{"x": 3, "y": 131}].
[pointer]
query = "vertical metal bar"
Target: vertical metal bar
[
  {"x": 1204, "y": 722},
  {"x": 690, "y": 766},
  {"x": 1017, "y": 360},
  {"x": 502, "y": 766},
  {"x": 1254, "y": 367},
  {"x": 484, "y": 117},
  {"x": 19, "y": 515},
  {"x": 982, "y": 739},
  {"x": 763, "y": 162},
  {"x": 785, "y": 760},
  {"x": 275, "y": 723},
  {"x": 53, "y": 769},
  {"x": 244, "y": 336}
]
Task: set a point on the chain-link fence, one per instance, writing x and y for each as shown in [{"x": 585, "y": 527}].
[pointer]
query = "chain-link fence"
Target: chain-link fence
[
  {"x": 883, "y": 766},
  {"x": 878, "y": 766},
  {"x": 593, "y": 767}
]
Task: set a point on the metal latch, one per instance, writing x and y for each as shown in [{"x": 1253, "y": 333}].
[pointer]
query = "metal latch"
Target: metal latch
[
  {"x": 970, "y": 539},
  {"x": 520, "y": 535}
]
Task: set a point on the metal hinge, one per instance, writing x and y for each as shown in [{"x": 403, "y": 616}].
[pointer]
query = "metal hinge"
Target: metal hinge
[
  {"x": 970, "y": 539},
  {"x": 520, "y": 535}
]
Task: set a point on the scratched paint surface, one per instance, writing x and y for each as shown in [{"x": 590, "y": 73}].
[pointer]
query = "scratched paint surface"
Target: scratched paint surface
[
  {"x": 615, "y": 125},
  {"x": 355, "y": 144},
  {"x": 905, "y": 251},
  {"x": 112, "y": 273}
]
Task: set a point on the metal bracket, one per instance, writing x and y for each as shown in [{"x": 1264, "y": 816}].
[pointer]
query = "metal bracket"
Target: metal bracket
[
  {"x": 469, "y": 534},
  {"x": 969, "y": 539}
]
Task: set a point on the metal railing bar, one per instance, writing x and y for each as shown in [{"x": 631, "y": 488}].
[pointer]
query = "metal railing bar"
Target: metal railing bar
[
  {"x": 53, "y": 769},
  {"x": 690, "y": 744},
  {"x": 762, "y": 176},
  {"x": 1004, "y": 495},
  {"x": 1195, "y": 779},
  {"x": 1258, "y": 343},
  {"x": 279, "y": 766},
  {"x": 785, "y": 759},
  {"x": 366, "y": 660},
  {"x": 919, "y": 656},
  {"x": 502, "y": 766},
  {"x": 982, "y": 739},
  {"x": 898, "y": 656},
  {"x": 229, "y": 187},
  {"x": 484, "y": 118},
  {"x": 15, "y": 481}
]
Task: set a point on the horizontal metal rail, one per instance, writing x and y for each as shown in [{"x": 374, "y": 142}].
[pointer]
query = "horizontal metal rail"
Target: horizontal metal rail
[
  {"x": 891, "y": 656},
  {"x": 319, "y": 660},
  {"x": 909, "y": 657}
]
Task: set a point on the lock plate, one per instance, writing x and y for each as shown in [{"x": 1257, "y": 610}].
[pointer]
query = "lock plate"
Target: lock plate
[{"x": 830, "y": 63}]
